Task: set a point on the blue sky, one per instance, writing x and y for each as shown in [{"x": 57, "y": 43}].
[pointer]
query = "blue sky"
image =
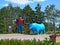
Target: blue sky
[{"x": 32, "y": 3}]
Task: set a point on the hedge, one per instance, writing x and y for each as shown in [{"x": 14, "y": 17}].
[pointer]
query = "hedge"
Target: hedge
[{"x": 27, "y": 42}]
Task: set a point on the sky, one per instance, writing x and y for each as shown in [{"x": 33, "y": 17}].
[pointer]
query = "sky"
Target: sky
[{"x": 32, "y": 3}]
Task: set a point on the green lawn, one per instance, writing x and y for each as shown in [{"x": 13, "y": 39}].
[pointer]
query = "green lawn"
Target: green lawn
[{"x": 27, "y": 42}]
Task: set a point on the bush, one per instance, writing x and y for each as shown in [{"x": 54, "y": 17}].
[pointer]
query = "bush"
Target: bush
[{"x": 27, "y": 42}]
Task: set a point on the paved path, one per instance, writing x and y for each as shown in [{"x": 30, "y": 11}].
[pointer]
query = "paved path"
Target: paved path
[{"x": 24, "y": 37}]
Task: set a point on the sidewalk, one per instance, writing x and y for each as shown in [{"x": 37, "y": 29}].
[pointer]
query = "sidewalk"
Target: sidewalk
[{"x": 24, "y": 37}]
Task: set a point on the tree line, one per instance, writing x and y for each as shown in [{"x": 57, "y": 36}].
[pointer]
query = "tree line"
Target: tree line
[{"x": 49, "y": 16}]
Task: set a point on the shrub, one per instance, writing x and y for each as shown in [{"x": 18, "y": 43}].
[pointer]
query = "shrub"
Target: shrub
[{"x": 27, "y": 42}]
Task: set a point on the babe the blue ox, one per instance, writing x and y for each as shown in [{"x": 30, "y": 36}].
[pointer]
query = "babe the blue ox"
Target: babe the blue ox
[{"x": 35, "y": 27}]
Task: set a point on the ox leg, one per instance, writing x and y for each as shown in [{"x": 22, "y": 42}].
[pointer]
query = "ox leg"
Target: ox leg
[
  {"x": 32, "y": 32},
  {"x": 39, "y": 32},
  {"x": 44, "y": 32}
]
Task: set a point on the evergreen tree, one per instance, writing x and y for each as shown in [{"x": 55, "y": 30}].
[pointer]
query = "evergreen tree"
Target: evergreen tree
[{"x": 39, "y": 14}]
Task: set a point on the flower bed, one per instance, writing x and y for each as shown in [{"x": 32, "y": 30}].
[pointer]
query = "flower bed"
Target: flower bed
[{"x": 27, "y": 42}]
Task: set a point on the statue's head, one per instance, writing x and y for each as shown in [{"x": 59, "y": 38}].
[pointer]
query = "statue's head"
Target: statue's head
[{"x": 30, "y": 25}]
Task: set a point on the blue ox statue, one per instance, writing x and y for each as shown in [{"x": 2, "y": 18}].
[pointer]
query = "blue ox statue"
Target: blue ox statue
[{"x": 37, "y": 27}]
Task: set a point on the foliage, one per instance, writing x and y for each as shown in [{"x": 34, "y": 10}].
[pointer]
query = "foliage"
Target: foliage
[
  {"x": 27, "y": 42},
  {"x": 39, "y": 14},
  {"x": 52, "y": 15},
  {"x": 10, "y": 13}
]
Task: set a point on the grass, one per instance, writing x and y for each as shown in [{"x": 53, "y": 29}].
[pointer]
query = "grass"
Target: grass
[{"x": 27, "y": 42}]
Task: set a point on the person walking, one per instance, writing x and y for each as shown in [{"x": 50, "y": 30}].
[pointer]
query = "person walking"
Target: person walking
[{"x": 20, "y": 23}]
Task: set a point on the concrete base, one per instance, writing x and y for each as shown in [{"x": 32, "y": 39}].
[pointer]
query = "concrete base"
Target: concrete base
[{"x": 58, "y": 38}]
